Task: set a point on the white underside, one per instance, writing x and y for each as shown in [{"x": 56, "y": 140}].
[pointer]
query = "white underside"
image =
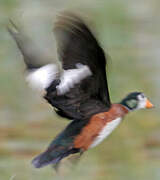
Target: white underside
[
  {"x": 106, "y": 131},
  {"x": 41, "y": 78}
]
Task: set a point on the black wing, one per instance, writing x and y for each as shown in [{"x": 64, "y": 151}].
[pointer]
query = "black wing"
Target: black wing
[{"x": 76, "y": 44}]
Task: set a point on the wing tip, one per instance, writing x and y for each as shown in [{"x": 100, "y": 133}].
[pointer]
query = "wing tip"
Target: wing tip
[
  {"x": 12, "y": 28},
  {"x": 69, "y": 21}
]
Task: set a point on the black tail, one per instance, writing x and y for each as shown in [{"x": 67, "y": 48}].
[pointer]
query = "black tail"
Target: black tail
[
  {"x": 33, "y": 56},
  {"x": 52, "y": 156}
]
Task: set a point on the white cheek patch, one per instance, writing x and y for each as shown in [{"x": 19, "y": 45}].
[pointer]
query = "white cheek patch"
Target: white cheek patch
[
  {"x": 142, "y": 102},
  {"x": 41, "y": 78},
  {"x": 106, "y": 131},
  {"x": 71, "y": 77}
]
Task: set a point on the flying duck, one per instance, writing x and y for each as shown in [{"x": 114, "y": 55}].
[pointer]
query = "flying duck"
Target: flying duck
[{"x": 79, "y": 92}]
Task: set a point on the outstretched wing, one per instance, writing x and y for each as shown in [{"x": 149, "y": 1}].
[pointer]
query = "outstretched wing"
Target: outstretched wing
[
  {"x": 77, "y": 45},
  {"x": 80, "y": 90}
]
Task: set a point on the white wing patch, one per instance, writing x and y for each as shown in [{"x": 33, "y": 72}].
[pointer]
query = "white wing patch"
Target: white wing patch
[
  {"x": 41, "y": 78},
  {"x": 106, "y": 131},
  {"x": 71, "y": 77}
]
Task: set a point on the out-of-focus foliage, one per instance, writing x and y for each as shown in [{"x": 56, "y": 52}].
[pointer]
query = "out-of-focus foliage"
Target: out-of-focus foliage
[{"x": 130, "y": 32}]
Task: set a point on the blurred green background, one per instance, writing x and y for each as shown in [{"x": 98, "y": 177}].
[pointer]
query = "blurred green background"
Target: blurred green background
[{"x": 130, "y": 32}]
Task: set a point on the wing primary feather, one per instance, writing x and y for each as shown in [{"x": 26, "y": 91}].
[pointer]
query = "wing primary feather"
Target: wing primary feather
[
  {"x": 32, "y": 55},
  {"x": 77, "y": 44}
]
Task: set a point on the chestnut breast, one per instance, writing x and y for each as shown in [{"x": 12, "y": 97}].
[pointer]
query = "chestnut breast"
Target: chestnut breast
[{"x": 99, "y": 127}]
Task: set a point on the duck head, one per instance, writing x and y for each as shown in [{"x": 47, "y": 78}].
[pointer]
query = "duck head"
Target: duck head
[{"x": 135, "y": 101}]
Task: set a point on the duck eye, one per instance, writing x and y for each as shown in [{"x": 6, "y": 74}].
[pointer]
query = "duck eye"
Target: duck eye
[{"x": 132, "y": 103}]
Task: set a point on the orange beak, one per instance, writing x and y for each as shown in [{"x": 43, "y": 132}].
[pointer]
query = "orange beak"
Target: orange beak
[{"x": 149, "y": 104}]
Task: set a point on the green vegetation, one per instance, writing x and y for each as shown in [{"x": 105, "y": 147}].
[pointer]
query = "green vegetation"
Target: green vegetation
[{"x": 129, "y": 32}]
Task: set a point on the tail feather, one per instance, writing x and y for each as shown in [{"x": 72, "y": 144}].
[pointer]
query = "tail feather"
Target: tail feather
[
  {"x": 52, "y": 157},
  {"x": 44, "y": 159}
]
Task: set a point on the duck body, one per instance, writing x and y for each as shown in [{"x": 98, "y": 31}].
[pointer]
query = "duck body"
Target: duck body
[
  {"x": 79, "y": 92},
  {"x": 79, "y": 135},
  {"x": 99, "y": 127}
]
